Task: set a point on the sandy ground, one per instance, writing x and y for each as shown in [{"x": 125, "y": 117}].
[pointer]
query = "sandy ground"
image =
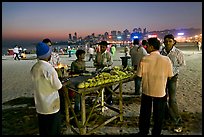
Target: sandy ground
[{"x": 17, "y": 93}]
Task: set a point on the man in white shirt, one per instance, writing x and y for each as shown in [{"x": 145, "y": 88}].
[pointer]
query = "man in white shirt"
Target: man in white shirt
[
  {"x": 47, "y": 84},
  {"x": 16, "y": 53},
  {"x": 177, "y": 59},
  {"x": 91, "y": 52},
  {"x": 136, "y": 53},
  {"x": 155, "y": 70},
  {"x": 104, "y": 59}
]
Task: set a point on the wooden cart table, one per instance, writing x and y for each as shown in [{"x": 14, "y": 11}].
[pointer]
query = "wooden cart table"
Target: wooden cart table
[{"x": 98, "y": 92}]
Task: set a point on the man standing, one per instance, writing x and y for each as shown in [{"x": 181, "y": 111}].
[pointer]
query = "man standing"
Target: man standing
[
  {"x": 47, "y": 84},
  {"x": 155, "y": 70},
  {"x": 91, "y": 52},
  {"x": 136, "y": 53},
  {"x": 104, "y": 59},
  {"x": 199, "y": 45},
  {"x": 113, "y": 50},
  {"x": 177, "y": 59},
  {"x": 16, "y": 52},
  {"x": 55, "y": 59}
]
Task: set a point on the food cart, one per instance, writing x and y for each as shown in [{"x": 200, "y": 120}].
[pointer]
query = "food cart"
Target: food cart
[{"x": 87, "y": 111}]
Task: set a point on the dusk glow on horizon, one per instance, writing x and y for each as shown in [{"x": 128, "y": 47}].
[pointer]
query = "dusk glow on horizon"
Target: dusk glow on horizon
[{"x": 33, "y": 21}]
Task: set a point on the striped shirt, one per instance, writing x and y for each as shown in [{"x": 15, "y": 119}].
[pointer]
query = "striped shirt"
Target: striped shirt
[
  {"x": 177, "y": 58},
  {"x": 103, "y": 60}
]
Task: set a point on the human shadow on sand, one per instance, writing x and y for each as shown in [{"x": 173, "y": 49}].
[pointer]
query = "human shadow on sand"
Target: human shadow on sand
[{"x": 19, "y": 117}]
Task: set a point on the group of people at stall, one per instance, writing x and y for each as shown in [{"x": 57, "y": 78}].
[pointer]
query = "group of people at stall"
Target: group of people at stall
[{"x": 156, "y": 70}]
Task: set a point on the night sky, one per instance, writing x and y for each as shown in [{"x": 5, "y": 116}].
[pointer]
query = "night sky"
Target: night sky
[{"x": 33, "y": 21}]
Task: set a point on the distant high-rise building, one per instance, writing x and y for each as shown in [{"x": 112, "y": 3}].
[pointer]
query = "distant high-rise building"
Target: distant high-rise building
[
  {"x": 93, "y": 35},
  {"x": 70, "y": 36},
  {"x": 144, "y": 31},
  {"x": 106, "y": 35},
  {"x": 126, "y": 35},
  {"x": 126, "y": 31},
  {"x": 135, "y": 30},
  {"x": 74, "y": 38},
  {"x": 139, "y": 30},
  {"x": 75, "y": 34},
  {"x": 114, "y": 35},
  {"x": 113, "y": 32}
]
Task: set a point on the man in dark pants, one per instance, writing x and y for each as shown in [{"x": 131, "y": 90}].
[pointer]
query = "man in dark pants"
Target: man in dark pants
[
  {"x": 52, "y": 123},
  {"x": 177, "y": 58},
  {"x": 145, "y": 114},
  {"x": 154, "y": 70},
  {"x": 46, "y": 95},
  {"x": 136, "y": 53}
]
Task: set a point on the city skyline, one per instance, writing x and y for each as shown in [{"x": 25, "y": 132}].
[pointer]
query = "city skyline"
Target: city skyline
[{"x": 33, "y": 21}]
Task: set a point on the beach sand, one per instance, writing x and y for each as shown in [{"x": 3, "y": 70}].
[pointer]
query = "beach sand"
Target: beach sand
[{"x": 18, "y": 111}]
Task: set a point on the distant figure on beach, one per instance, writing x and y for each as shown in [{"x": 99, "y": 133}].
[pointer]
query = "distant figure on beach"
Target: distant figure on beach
[
  {"x": 177, "y": 59},
  {"x": 127, "y": 51},
  {"x": 16, "y": 53},
  {"x": 113, "y": 50},
  {"x": 20, "y": 51},
  {"x": 136, "y": 54},
  {"x": 144, "y": 44},
  {"x": 154, "y": 70},
  {"x": 55, "y": 59},
  {"x": 91, "y": 51},
  {"x": 199, "y": 44},
  {"x": 46, "y": 96}
]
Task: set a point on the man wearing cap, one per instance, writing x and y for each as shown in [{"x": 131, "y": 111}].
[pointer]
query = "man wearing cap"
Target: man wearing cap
[
  {"x": 104, "y": 59},
  {"x": 47, "y": 84}
]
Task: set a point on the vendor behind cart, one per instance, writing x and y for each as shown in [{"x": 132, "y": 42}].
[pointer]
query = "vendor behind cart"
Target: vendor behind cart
[
  {"x": 78, "y": 67},
  {"x": 104, "y": 59}
]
